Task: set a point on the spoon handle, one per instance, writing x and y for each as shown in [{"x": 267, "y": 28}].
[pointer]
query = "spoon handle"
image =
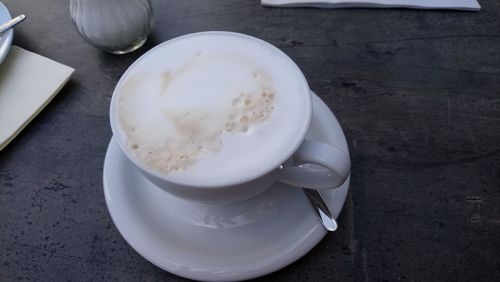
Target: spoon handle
[
  {"x": 12, "y": 22},
  {"x": 321, "y": 209}
]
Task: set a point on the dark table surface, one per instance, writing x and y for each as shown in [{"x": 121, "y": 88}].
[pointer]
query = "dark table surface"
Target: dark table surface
[{"x": 416, "y": 92}]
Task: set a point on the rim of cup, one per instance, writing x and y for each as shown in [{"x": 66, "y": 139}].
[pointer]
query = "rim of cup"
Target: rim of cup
[{"x": 251, "y": 175}]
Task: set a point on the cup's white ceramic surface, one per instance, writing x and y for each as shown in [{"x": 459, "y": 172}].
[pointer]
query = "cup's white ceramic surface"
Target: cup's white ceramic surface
[{"x": 294, "y": 160}]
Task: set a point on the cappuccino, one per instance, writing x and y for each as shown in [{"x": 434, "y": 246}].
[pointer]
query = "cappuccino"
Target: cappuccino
[{"x": 211, "y": 109}]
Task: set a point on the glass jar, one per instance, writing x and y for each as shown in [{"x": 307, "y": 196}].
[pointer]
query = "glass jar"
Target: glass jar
[{"x": 115, "y": 26}]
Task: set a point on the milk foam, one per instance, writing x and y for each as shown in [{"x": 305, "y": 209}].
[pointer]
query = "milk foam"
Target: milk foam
[{"x": 211, "y": 108}]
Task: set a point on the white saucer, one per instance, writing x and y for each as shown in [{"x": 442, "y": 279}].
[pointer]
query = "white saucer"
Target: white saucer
[
  {"x": 233, "y": 242},
  {"x": 5, "y": 38}
]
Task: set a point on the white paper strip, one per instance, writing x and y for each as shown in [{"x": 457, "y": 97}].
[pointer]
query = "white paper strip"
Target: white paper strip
[{"x": 468, "y": 5}]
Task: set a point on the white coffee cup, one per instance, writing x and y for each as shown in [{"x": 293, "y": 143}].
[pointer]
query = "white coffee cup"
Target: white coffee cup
[{"x": 281, "y": 152}]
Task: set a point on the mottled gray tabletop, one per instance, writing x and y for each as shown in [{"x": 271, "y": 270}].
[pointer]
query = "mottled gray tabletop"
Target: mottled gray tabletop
[{"x": 418, "y": 96}]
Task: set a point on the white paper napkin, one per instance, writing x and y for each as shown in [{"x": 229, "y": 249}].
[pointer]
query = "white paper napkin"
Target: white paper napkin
[
  {"x": 469, "y": 5},
  {"x": 27, "y": 84}
]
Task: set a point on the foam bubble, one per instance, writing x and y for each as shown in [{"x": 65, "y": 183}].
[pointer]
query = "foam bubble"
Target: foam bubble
[{"x": 249, "y": 109}]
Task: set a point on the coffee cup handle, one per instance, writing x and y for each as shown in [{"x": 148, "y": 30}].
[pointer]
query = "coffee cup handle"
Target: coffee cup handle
[{"x": 316, "y": 165}]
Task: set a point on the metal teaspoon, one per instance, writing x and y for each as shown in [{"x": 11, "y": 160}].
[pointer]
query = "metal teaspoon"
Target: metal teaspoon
[
  {"x": 11, "y": 23},
  {"x": 321, "y": 209}
]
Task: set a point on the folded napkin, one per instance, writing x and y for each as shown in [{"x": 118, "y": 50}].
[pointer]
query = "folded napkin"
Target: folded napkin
[
  {"x": 468, "y": 5},
  {"x": 27, "y": 84}
]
